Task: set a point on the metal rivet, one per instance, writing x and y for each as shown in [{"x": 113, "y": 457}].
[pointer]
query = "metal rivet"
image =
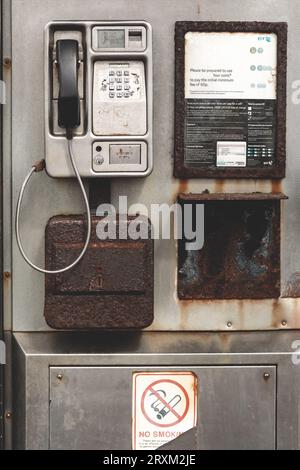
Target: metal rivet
[
  {"x": 229, "y": 324},
  {"x": 266, "y": 375},
  {"x": 59, "y": 376},
  {"x": 284, "y": 322},
  {"x": 8, "y": 414}
]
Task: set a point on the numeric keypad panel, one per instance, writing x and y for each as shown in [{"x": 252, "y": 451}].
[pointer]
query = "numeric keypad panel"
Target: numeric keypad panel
[{"x": 121, "y": 81}]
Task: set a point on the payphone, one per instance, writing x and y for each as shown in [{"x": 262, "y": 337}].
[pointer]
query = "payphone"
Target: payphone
[
  {"x": 113, "y": 67},
  {"x": 98, "y": 107}
]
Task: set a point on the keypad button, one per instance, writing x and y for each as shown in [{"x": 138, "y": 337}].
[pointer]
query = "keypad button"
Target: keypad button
[
  {"x": 119, "y": 80},
  {"x": 111, "y": 80},
  {"x": 119, "y": 95},
  {"x": 126, "y": 87},
  {"x": 126, "y": 95},
  {"x": 111, "y": 95},
  {"x": 126, "y": 73},
  {"x": 119, "y": 73},
  {"x": 126, "y": 80},
  {"x": 111, "y": 87},
  {"x": 111, "y": 73}
]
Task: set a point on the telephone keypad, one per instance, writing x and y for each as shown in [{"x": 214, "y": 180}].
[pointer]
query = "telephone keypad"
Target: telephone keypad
[{"x": 119, "y": 81}]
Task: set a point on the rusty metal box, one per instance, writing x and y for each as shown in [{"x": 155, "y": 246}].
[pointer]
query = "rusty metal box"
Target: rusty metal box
[
  {"x": 240, "y": 258},
  {"x": 111, "y": 287}
]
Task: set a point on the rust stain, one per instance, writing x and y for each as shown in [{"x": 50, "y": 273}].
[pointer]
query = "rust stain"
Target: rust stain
[
  {"x": 292, "y": 286},
  {"x": 6, "y": 286},
  {"x": 219, "y": 186},
  {"x": 185, "y": 305},
  {"x": 183, "y": 186},
  {"x": 7, "y": 63},
  {"x": 241, "y": 310},
  {"x": 276, "y": 314},
  {"x": 195, "y": 384},
  {"x": 276, "y": 186}
]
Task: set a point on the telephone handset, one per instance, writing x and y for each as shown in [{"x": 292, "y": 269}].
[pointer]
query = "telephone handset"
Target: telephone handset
[
  {"x": 69, "y": 119},
  {"x": 68, "y": 98}
]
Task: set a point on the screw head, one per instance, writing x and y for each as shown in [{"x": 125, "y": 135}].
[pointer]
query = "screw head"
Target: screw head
[
  {"x": 266, "y": 375},
  {"x": 99, "y": 160},
  {"x": 8, "y": 414},
  {"x": 284, "y": 323},
  {"x": 229, "y": 324},
  {"x": 59, "y": 376}
]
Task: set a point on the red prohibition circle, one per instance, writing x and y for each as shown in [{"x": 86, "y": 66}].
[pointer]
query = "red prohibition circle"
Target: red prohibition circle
[{"x": 149, "y": 389}]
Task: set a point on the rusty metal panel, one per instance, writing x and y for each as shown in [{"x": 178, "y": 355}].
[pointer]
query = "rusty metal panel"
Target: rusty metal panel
[
  {"x": 241, "y": 254},
  {"x": 63, "y": 197},
  {"x": 112, "y": 287},
  {"x": 184, "y": 170}
]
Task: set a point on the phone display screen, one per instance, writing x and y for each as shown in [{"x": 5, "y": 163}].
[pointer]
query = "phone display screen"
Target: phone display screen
[{"x": 111, "y": 38}]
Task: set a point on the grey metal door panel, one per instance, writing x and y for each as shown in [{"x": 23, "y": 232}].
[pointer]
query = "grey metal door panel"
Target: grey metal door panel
[
  {"x": 90, "y": 407},
  {"x": 237, "y": 407}
]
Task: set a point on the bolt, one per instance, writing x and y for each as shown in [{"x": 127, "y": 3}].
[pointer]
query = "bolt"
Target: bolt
[
  {"x": 99, "y": 160},
  {"x": 284, "y": 323},
  {"x": 229, "y": 324},
  {"x": 266, "y": 375},
  {"x": 59, "y": 376},
  {"x": 8, "y": 414}
]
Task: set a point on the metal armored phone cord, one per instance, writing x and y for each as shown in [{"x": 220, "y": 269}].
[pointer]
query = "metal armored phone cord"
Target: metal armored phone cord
[{"x": 39, "y": 167}]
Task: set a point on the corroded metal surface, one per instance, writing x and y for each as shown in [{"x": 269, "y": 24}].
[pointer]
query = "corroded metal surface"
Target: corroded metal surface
[
  {"x": 211, "y": 171},
  {"x": 241, "y": 254},
  {"x": 112, "y": 286},
  {"x": 63, "y": 196},
  {"x": 207, "y": 196},
  {"x": 292, "y": 286}
]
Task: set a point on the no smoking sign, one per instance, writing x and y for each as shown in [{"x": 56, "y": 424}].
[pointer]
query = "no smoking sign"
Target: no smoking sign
[{"x": 164, "y": 406}]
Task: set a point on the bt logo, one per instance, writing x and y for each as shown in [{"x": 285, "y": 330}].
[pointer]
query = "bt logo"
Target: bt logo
[{"x": 264, "y": 38}]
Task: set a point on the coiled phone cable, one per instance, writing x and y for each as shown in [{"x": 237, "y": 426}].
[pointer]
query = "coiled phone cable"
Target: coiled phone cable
[{"x": 39, "y": 167}]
